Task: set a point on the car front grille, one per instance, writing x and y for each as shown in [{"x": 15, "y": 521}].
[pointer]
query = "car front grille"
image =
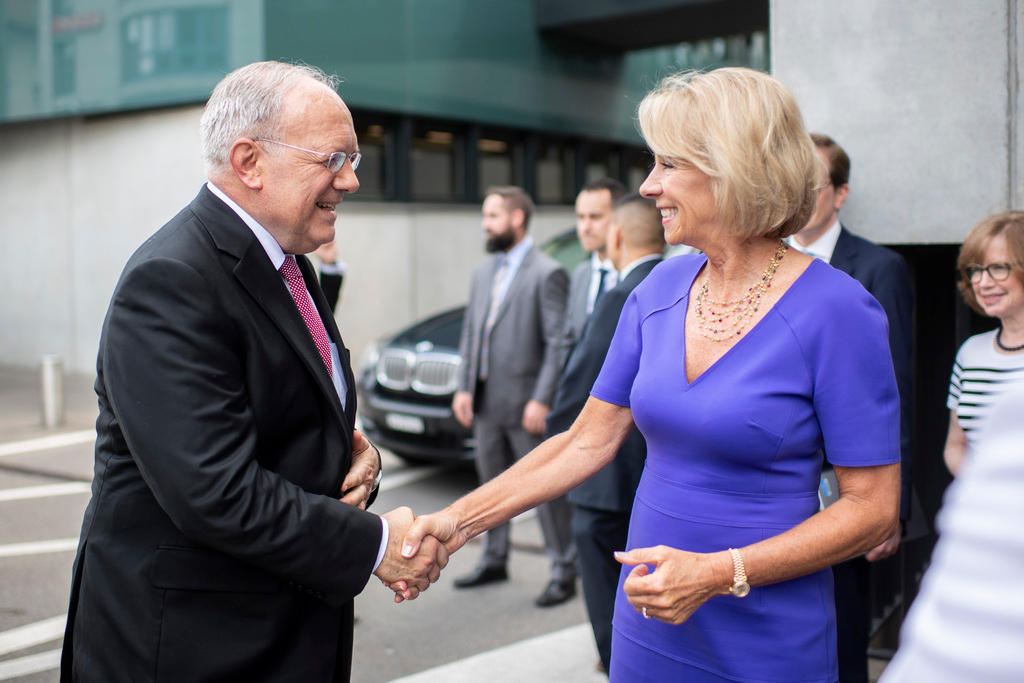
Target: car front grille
[{"x": 428, "y": 373}]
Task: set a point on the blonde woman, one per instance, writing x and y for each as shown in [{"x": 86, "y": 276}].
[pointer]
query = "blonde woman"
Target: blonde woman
[{"x": 739, "y": 366}]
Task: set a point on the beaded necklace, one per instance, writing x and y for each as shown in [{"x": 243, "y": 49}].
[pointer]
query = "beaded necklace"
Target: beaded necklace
[
  {"x": 721, "y": 320},
  {"x": 999, "y": 342}
]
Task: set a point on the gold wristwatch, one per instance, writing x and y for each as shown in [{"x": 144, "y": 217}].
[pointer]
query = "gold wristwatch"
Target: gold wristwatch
[{"x": 740, "y": 588}]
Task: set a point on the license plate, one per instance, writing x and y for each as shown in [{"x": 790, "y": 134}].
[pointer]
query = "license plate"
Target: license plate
[{"x": 404, "y": 423}]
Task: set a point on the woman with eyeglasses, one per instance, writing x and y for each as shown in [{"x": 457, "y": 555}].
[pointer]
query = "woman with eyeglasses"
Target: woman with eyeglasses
[{"x": 991, "y": 265}]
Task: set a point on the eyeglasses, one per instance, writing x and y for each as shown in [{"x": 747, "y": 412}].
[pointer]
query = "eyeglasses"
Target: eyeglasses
[
  {"x": 334, "y": 161},
  {"x": 996, "y": 271}
]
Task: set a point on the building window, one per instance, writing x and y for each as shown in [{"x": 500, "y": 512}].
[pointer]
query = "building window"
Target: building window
[
  {"x": 602, "y": 162},
  {"x": 554, "y": 161},
  {"x": 496, "y": 161},
  {"x": 433, "y": 163},
  {"x": 180, "y": 41},
  {"x": 376, "y": 140},
  {"x": 63, "y": 68},
  {"x": 638, "y": 165}
]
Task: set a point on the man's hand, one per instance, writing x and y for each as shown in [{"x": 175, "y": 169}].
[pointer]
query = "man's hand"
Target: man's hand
[
  {"x": 462, "y": 406},
  {"x": 409, "y": 574},
  {"x": 358, "y": 484},
  {"x": 886, "y": 547},
  {"x": 426, "y": 532},
  {"x": 534, "y": 415}
]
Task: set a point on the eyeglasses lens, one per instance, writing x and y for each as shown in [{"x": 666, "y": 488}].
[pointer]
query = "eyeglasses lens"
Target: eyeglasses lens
[
  {"x": 996, "y": 271},
  {"x": 337, "y": 160}
]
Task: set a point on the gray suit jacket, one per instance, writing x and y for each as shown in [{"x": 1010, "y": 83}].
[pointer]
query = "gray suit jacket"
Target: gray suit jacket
[
  {"x": 575, "y": 310},
  {"x": 524, "y": 345}
]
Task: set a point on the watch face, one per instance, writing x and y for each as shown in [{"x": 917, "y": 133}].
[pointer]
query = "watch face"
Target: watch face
[{"x": 740, "y": 589}]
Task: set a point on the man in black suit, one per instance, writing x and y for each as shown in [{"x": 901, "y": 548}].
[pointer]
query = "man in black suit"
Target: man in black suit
[
  {"x": 601, "y": 505},
  {"x": 227, "y": 534},
  {"x": 332, "y": 272},
  {"x": 884, "y": 274}
]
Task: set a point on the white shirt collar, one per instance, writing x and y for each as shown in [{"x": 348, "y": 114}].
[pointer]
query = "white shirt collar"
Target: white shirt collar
[
  {"x": 274, "y": 251},
  {"x": 824, "y": 246},
  {"x": 516, "y": 254},
  {"x": 632, "y": 266},
  {"x": 597, "y": 263}
]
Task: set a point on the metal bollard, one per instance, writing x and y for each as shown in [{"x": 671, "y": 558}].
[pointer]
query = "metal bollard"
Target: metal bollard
[{"x": 52, "y": 377}]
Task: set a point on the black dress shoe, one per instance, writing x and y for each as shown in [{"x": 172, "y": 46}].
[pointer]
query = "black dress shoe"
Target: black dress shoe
[
  {"x": 556, "y": 593},
  {"x": 481, "y": 576}
]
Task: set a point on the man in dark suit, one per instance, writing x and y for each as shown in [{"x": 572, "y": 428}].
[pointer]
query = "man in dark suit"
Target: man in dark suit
[
  {"x": 332, "y": 272},
  {"x": 601, "y": 505},
  {"x": 595, "y": 205},
  {"x": 884, "y": 274},
  {"x": 227, "y": 534},
  {"x": 510, "y": 353}
]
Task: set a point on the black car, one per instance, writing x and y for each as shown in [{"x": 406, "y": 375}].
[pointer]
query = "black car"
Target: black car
[
  {"x": 406, "y": 382},
  {"x": 405, "y": 390}
]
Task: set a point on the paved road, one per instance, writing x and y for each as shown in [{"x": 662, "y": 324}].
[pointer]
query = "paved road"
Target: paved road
[{"x": 493, "y": 633}]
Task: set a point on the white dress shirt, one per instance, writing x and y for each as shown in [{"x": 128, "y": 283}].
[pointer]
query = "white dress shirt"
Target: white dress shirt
[
  {"x": 611, "y": 278},
  {"x": 823, "y": 247}
]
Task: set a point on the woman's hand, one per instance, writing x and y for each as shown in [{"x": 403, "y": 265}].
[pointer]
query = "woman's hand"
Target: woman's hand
[{"x": 680, "y": 583}]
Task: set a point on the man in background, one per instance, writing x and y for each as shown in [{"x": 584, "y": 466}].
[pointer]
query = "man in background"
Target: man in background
[
  {"x": 602, "y": 504},
  {"x": 332, "y": 272},
  {"x": 595, "y": 204},
  {"x": 510, "y": 355},
  {"x": 884, "y": 274}
]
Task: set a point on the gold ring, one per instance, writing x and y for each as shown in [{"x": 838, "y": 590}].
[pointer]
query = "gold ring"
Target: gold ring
[{"x": 644, "y": 611}]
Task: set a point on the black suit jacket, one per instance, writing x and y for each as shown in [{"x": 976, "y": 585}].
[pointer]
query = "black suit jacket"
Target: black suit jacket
[
  {"x": 214, "y": 546},
  {"x": 884, "y": 274},
  {"x": 330, "y": 283},
  {"x": 614, "y": 486}
]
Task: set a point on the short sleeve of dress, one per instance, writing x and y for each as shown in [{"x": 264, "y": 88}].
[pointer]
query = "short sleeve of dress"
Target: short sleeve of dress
[
  {"x": 615, "y": 382},
  {"x": 855, "y": 394}
]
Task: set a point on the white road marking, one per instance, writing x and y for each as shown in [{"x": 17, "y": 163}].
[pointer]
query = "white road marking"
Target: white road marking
[
  {"x": 567, "y": 655},
  {"x": 47, "y": 442},
  {"x": 46, "y": 491},
  {"x": 33, "y": 634},
  {"x": 32, "y": 664},
  {"x": 57, "y": 545}
]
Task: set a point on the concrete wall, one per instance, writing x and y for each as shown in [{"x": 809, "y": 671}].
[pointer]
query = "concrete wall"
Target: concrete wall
[
  {"x": 80, "y": 195},
  {"x": 925, "y": 98}
]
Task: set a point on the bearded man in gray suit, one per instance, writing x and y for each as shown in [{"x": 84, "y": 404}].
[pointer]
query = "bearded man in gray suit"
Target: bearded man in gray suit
[{"x": 510, "y": 364}]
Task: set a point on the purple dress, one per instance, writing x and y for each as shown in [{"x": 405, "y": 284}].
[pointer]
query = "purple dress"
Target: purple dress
[{"x": 734, "y": 457}]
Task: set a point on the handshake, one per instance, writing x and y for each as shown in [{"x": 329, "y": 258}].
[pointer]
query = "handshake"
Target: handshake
[{"x": 418, "y": 549}]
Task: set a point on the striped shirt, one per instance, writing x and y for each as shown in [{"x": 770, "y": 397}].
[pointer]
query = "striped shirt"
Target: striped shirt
[{"x": 980, "y": 375}]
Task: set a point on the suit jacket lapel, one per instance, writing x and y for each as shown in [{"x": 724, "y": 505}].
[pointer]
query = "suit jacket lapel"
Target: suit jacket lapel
[
  {"x": 257, "y": 276},
  {"x": 845, "y": 253},
  {"x": 327, "y": 316},
  {"x": 516, "y": 285}
]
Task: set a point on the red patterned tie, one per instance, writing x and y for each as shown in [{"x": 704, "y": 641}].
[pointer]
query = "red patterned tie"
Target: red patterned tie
[{"x": 297, "y": 286}]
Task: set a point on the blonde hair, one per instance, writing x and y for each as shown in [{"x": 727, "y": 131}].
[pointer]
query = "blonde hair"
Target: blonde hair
[{"x": 743, "y": 129}]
